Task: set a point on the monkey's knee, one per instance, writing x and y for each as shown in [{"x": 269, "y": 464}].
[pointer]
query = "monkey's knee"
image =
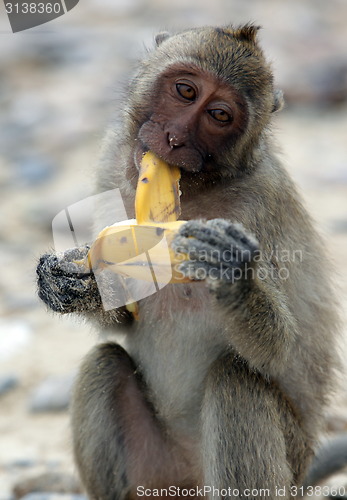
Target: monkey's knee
[
  {"x": 239, "y": 403},
  {"x": 105, "y": 369},
  {"x": 99, "y": 404}
]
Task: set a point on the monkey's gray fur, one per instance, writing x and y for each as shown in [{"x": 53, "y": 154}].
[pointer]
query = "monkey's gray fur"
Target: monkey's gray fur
[{"x": 222, "y": 383}]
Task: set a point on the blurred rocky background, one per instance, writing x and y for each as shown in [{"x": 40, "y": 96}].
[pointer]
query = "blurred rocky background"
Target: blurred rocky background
[{"x": 60, "y": 85}]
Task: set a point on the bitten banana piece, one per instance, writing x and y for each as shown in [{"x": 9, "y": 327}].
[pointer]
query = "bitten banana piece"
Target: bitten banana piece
[{"x": 157, "y": 193}]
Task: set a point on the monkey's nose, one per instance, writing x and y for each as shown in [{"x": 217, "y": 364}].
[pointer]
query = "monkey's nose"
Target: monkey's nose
[{"x": 174, "y": 141}]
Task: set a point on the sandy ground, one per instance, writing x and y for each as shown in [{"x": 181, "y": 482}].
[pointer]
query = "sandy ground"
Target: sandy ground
[{"x": 314, "y": 148}]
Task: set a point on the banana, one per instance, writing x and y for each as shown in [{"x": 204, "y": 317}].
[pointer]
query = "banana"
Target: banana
[
  {"x": 142, "y": 252},
  {"x": 141, "y": 249},
  {"x": 157, "y": 192}
]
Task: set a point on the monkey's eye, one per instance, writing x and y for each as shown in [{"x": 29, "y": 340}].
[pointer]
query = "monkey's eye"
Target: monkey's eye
[
  {"x": 220, "y": 115},
  {"x": 186, "y": 91}
]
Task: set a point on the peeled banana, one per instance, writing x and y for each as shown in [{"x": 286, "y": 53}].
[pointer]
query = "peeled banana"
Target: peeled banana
[
  {"x": 157, "y": 193},
  {"x": 141, "y": 249}
]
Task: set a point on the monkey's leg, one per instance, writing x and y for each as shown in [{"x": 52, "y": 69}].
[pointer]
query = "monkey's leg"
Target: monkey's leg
[
  {"x": 247, "y": 428},
  {"x": 119, "y": 444}
]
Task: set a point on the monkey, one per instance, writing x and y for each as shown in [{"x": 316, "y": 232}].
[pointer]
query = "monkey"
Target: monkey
[{"x": 219, "y": 387}]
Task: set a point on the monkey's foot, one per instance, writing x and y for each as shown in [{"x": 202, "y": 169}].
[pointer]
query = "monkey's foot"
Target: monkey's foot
[
  {"x": 214, "y": 250},
  {"x": 63, "y": 285}
]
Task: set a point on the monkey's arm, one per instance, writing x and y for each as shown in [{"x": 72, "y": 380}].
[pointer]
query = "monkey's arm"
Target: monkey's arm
[
  {"x": 65, "y": 288},
  {"x": 263, "y": 329}
]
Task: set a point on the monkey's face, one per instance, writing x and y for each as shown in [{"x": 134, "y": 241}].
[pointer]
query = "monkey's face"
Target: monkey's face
[{"x": 194, "y": 116}]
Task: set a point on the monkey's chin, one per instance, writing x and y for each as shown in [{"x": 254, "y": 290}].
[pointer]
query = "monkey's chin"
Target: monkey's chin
[{"x": 187, "y": 167}]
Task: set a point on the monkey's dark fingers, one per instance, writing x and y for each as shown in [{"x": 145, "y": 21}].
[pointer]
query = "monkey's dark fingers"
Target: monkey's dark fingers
[
  {"x": 222, "y": 234},
  {"x": 236, "y": 231},
  {"x": 63, "y": 286},
  {"x": 216, "y": 241},
  {"x": 200, "y": 251},
  {"x": 202, "y": 231}
]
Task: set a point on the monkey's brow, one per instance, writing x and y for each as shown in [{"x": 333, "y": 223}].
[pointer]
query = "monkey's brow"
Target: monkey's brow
[{"x": 188, "y": 71}]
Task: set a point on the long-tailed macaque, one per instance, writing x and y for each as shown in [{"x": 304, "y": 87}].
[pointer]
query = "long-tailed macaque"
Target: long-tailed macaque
[{"x": 222, "y": 382}]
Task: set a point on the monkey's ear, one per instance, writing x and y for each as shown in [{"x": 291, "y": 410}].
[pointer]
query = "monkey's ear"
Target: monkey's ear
[
  {"x": 160, "y": 37},
  {"x": 278, "y": 101},
  {"x": 247, "y": 33}
]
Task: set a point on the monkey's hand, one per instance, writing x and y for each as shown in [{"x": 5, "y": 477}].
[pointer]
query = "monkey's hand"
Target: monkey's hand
[
  {"x": 64, "y": 286},
  {"x": 214, "y": 250}
]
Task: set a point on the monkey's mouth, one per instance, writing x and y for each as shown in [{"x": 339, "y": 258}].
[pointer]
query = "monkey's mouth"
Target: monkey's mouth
[{"x": 184, "y": 158}]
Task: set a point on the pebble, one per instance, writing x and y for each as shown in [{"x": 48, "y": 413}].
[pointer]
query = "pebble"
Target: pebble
[
  {"x": 339, "y": 226},
  {"x": 7, "y": 383},
  {"x": 53, "y": 496},
  {"x": 53, "y": 394},
  {"x": 22, "y": 463},
  {"x": 33, "y": 169},
  {"x": 49, "y": 485}
]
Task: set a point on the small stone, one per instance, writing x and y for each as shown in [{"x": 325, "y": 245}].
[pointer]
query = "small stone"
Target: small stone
[
  {"x": 53, "y": 394},
  {"x": 7, "y": 383},
  {"x": 49, "y": 486},
  {"x": 52, "y": 496},
  {"x": 339, "y": 226},
  {"x": 34, "y": 169},
  {"x": 23, "y": 463}
]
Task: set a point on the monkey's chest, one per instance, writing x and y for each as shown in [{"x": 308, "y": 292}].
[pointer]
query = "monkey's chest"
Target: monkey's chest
[
  {"x": 177, "y": 338},
  {"x": 174, "y": 300}
]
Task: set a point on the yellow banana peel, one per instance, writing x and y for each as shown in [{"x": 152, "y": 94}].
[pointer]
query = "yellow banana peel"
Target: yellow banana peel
[{"x": 142, "y": 252}]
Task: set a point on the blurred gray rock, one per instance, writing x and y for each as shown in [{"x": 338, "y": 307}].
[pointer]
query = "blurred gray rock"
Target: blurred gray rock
[
  {"x": 338, "y": 226},
  {"x": 52, "y": 496},
  {"x": 33, "y": 169},
  {"x": 7, "y": 382},
  {"x": 22, "y": 463},
  {"x": 322, "y": 83},
  {"x": 53, "y": 394},
  {"x": 49, "y": 486}
]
